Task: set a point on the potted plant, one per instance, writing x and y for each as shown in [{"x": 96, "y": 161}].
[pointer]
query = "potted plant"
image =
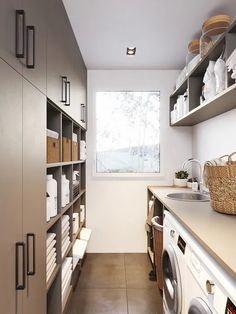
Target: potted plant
[
  {"x": 190, "y": 181},
  {"x": 181, "y": 178}
]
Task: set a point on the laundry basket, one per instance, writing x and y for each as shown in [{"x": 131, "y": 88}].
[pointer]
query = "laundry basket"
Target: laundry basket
[
  {"x": 221, "y": 181},
  {"x": 157, "y": 227}
]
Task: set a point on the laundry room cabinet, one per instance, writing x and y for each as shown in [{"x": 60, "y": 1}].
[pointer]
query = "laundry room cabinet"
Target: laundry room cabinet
[
  {"x": 22, "y": 195},
  {"x": 23, "y": 38}
]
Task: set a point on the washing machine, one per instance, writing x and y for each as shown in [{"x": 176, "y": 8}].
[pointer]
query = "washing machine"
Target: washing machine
[
  {"x": 173, "y": 265},
  {"x": 209, "y": 289}
]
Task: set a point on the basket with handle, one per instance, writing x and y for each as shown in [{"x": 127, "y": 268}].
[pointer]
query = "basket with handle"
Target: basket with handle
[{"x": 221, "y": 182}]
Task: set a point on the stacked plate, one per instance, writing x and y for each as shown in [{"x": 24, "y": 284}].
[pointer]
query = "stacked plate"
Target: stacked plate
[
  {"x": 65, "y": 234},
  {"x": 66, "y": 274},
  {"x": 216, "y": 25},
  {"x": 51, "y": 254}
]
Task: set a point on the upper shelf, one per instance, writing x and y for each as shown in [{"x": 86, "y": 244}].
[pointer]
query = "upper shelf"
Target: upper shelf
[
  {"x": 213, "y": 53},
  {"x": 221, "y": 103}
]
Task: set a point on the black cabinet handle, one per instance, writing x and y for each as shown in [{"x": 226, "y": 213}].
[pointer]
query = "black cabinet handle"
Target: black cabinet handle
[
  {"x": 63, "y": 89},
  {"x": 83, "y": 113},
  {"x": 20, "y": 286},
  {"x": 32, "y": 236},
  {"x": 67, "y": 93},
  {"x": 30, "y": 46},
  {"x": 20, "y": 34}
]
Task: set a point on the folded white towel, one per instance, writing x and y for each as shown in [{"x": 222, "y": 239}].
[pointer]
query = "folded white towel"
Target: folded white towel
[
  {"x": 50, "y": 247},
  {"x": 65, "y": 227},
  {"x": 50, "y": 254},
  {"x": 49, "y": 273},
  {"x": 50, "y": 237},
  {"x": 67, "y": 264},
  {"x": 52, "y": 134},
  {"x": 85, "y": 234},
  {"x": 75, "y": 137}
]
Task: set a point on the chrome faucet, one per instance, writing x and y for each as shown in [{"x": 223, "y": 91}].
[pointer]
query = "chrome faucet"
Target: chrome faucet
[{"x": 200, "y": 182}]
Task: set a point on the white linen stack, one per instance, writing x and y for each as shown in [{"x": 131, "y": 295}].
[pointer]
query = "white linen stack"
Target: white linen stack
[
  {"x": 75, "y": 223},
  {"x": 231, "y": 64},
  {"x": 65, "y": 234},
  {"x": 66, "y": 274},
  {"x": 51, "y": 254},
  {"x": 80, "y": 246},
  {"x": 83, "y": 151}
]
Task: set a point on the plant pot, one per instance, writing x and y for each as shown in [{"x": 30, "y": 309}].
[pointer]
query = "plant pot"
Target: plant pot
[
  {"x": 189, "y": 185},
  {"x": 180, "y": 182}
]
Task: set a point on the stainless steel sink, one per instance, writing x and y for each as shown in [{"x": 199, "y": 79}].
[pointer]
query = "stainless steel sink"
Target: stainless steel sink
[{"x": 189, "y": 197}]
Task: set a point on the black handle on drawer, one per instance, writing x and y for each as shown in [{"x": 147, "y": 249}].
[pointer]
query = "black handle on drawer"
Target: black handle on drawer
[
  {"x": 67, "y": 103},
  {"x": 30, "y": 56},
  {"x": 20, "y": 34},
  {"x": 63, "y": 89},
  {"x": 20, "y": 286},
  {"x": 32, "y": 236}
]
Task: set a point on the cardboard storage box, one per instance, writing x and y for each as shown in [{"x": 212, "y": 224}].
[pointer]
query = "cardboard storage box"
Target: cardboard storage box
[
  {"x": 75, "y": 151},
  {"x": 53, "y": 150},
  {"x": 66, "y": 149}
]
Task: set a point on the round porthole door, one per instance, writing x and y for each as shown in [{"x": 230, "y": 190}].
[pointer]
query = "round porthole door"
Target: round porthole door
[
  {"x": 199, "y": 306},
  {"x": 171, "y": 281}
]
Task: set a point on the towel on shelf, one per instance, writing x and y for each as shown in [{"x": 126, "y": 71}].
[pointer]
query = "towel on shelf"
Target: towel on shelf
[
  {"x": 53, "y": 134},
  {"x": 50, "y": 247},
  {"x": 50, "y": 237},
  {"x": 85, "y": 234}
]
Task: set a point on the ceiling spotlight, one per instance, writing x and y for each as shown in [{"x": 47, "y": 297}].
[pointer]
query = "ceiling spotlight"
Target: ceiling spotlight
[{"x": 131, "y": 51}]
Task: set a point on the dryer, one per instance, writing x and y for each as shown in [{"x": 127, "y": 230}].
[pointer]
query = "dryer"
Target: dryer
[
  {"x": 211, "y": 289},
  {"x": 173, "y": 265}
]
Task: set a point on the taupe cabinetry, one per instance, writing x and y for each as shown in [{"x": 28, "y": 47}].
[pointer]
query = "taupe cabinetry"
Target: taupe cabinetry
[
  {"x": 23, "y": 39},
  {"x": 22, "y": 188},
  {"x": 66, "y": 71}
]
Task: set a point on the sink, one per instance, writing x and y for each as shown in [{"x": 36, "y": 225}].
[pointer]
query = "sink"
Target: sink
[{"x": 189, "y": 197}]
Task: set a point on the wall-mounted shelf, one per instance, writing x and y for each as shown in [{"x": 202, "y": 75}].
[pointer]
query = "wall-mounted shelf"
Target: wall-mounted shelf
[{"x": 193, "y": 84}]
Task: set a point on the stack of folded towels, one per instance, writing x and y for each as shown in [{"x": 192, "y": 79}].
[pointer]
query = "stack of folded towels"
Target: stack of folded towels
[
  {"x": 231, "y": 64},
  {"x": 65, "y": 234},
  {"x": 51, "y": 254},
  {"x": 66, "y": 273},
  {"x": 80, "y": 246}
]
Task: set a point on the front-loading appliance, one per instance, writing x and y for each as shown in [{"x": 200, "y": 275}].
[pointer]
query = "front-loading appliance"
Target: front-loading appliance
[
  {"x": 209, "y": 289},
  {"x": 173, "y": 265}
]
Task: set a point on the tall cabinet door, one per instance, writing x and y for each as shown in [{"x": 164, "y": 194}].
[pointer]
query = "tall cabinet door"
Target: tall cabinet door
[
  {"x": 34, "y": 68},
  {"x": 34, "y": 198},
  {"x": 8, "y": 32},
  {"x": 56, "y": 57},
  {"x": 11, "y": 190}
]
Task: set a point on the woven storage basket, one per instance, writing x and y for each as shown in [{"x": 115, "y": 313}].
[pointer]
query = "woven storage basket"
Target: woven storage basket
[{"x": 221, "y": 181}]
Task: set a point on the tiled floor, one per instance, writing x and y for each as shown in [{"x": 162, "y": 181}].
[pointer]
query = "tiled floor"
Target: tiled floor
[{"x": 116, "y": 284}]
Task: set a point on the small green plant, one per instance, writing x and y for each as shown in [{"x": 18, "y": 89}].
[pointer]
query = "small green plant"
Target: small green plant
[
  {"x": 181, "y": 174},
  {"x": 192, "y": 180}
]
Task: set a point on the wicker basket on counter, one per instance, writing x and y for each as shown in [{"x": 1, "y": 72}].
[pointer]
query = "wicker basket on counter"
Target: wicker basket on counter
[{"x": 221, "y": 182}]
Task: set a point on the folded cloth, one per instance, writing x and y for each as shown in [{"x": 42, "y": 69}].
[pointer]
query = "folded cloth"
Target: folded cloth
[
  {"x": 75, "y": 137},
  {"x": 52, "y": 134},
  {"x": 50, "y": 247},
  {"x": 49, "y": 273},
  {"x": 85, "y": 234},
  {"x": 64, "y": 220},
  {"x": 51, "y": 254},
  {"x": 67, "y": 264},
  {"x": 50, "y": 237}
]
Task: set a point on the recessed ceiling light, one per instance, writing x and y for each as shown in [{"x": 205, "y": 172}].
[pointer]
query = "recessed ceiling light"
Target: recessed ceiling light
[{"x": 131, "y": 51}]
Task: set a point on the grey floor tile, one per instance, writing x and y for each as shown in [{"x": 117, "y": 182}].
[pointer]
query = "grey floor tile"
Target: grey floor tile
[
  {"x": 137, "y": 259},
  {"x": 102, "y": 276},
  {"x": 144, "y": 301},
  {"x": 99, "y": 301},
  {"x": 137, "y": 277},
  {"x": 116, "y": 259}
]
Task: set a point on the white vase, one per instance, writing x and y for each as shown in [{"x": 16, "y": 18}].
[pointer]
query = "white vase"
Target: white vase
[{"x": 180, "y": 182}]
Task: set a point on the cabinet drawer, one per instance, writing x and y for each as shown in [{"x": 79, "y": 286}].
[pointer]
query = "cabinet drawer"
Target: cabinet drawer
[{"x": 53, "y": 150}]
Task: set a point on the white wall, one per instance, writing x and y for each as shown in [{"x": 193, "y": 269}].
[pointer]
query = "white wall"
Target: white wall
[
  {"x": 215, "y": 137},
  {"x": 116, "y": 208}
]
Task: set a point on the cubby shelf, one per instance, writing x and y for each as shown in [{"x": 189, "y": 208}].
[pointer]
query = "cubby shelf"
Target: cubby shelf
[
  {"x": 53, "y": 276},
  {"x": 193, "y": 83},
  {"x": 65, "y": 163},
  {"x": 65, "y": 126}
]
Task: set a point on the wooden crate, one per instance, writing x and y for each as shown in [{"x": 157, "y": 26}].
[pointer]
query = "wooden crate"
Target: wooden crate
[
  {"x": 75, "y": 151},
  {"x": 53, "y": 151},
  {"x": 66, "y": 149}
]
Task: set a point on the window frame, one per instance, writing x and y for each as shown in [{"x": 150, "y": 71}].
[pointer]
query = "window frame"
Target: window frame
[{"x": 128, "y": 175}]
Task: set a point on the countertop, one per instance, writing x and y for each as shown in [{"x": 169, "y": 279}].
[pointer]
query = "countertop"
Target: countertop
[{"x": 214, "y": 231}]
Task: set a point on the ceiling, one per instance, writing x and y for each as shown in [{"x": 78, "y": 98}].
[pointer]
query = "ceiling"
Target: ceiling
[{"x": 160, "y": 29}]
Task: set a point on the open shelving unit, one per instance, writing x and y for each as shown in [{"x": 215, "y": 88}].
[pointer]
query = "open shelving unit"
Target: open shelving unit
[
  {"x": 193, "y": 84},
  {"x": 65, "y": 126}
]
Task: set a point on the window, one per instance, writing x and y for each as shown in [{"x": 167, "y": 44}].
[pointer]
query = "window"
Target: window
[{"x": 127, "y": 132}]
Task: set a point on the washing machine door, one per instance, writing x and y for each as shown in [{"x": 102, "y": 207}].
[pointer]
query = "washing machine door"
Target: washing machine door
[
  {"x": 199, "y": 306},
  {"x": 171, "y": 281}
]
